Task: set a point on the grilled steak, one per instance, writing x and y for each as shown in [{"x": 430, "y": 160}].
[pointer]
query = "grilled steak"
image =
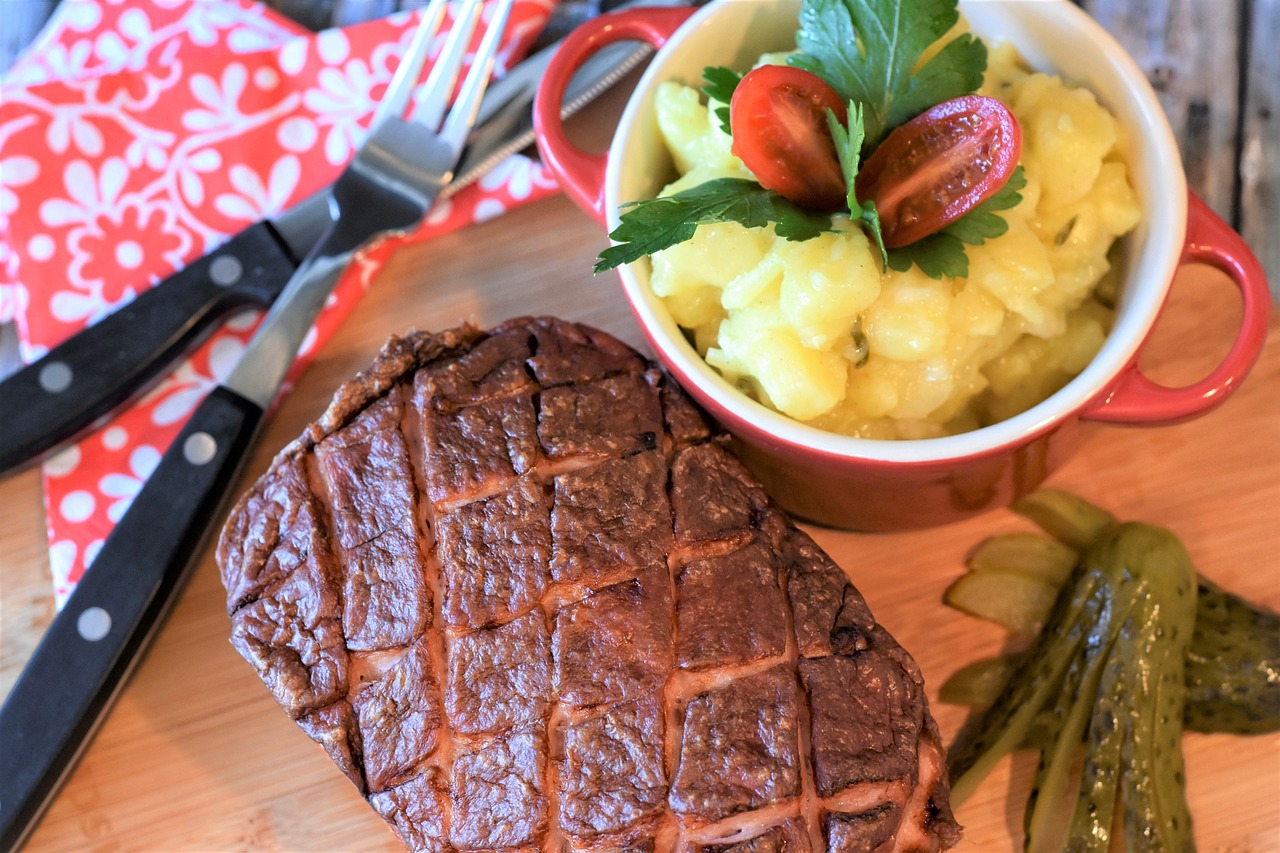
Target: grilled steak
[{"x": 517, "y": 588}]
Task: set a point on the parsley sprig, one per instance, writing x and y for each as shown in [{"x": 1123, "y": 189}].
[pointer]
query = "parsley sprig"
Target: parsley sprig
[
  {"x": 650, "y": 226},
  {"x": 849, "y": 142},
  {"x": 720, "y": 83},
  {"x": 869, "y": 51}
]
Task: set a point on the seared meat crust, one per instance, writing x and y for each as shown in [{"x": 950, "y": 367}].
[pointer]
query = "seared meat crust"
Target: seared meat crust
[{"x": 517, "y": 588}]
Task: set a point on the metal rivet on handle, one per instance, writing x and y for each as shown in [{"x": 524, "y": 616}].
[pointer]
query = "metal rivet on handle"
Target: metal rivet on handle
[
  {"x": 94, "y": 623},
  {"x": 55, "y": 377},
  {"x": 199, "y": 448},
  {"x": 225, "y": 270}
]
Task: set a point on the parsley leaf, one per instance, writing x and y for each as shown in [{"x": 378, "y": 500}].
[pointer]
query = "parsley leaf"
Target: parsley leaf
[
  {"x": 656, "y": 224},
  {"x": 938, "y": 255},
  {"x": 721, "y": 82},
  {"x": 848, "y": 142},
  {"x": 868, "y": 49},
  {"x": 942, "y": 254},
  {"x": 981, "y": 224}
]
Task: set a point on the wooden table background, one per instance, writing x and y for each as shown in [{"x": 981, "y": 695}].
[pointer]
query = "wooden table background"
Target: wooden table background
[{"x": 197, "y": 756}]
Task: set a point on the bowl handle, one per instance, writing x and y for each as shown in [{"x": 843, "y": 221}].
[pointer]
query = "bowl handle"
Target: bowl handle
[
  {"x": 580, "y": 174},
  {"x": 1135, "y": 399}
]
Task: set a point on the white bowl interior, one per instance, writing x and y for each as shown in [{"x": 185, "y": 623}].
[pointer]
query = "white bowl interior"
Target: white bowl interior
[{"x": 1052, "y": 35}]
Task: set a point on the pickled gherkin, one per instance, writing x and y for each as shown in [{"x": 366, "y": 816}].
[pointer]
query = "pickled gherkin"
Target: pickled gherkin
[
  {"x": 1233, "y": 665},
  {"x": 1233, "y": 660},
  {"x": 1073, "y": 521},
  {"x": 1125, "y": 617}
]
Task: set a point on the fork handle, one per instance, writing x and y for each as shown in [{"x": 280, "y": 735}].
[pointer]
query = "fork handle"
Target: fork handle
[
  {"x": 80, "y": 382},
  {"x": 85, "y": 656}
]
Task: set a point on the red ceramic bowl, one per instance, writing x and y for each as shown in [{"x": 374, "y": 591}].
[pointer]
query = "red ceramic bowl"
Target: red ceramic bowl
[{"x": 864, "y": 484}]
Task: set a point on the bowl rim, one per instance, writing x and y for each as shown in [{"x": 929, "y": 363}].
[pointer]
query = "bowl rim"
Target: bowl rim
[{"x": 1157, "y": 175}]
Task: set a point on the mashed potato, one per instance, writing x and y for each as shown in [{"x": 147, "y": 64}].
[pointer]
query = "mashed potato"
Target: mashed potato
[{"x": 816, "y": 330}]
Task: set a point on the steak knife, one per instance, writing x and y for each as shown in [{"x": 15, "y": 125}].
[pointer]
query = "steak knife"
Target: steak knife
[{"x": 80, "y": 383}]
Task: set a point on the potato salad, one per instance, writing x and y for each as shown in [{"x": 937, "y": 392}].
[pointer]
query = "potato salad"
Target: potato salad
[{"x": 824, "y": 331}]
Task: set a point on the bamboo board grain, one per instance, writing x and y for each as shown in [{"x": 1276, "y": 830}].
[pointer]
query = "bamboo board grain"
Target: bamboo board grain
[
  {"x": 1174, "y": 42},
  {"x": 196, "y": 756}
]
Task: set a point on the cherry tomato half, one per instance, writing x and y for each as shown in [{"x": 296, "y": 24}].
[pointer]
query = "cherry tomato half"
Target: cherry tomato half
[
  {"x": 937, "y": 167},
  {"x": 778, "y": 116}
]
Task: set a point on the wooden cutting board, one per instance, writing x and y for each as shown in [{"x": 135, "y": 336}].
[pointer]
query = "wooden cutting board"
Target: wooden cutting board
[{"x": 197, "y": 756}]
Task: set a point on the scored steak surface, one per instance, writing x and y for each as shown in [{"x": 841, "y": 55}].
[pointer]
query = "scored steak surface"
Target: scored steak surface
[{"x": 518, "y": 590}]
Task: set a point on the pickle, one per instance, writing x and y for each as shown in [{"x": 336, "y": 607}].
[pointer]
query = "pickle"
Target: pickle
[
  {"x": 1015, "y": 600},
  {"x": 1162, "y": 581},
  {"x": 1107, "y": 670},
  {"x": 1233, "y": 665},
  {"x": 1006, "y": 725},
  {"x": 1093, "y": 817},
  {"x": 1233, "y": 661},
  {"x": 979, "y": 683},
  {"x": 1067, "y": 518},
  {"x": 1060, "y": 729},
  {"x": 1027, "y": 553}
]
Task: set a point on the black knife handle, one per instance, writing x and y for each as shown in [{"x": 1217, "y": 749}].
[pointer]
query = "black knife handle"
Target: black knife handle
[
  {"x": 86, "y": 654},
  {"x": 83, "y": 380}
]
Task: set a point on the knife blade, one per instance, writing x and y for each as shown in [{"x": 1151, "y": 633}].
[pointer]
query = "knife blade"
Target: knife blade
[{"x": 80, "y": 383}]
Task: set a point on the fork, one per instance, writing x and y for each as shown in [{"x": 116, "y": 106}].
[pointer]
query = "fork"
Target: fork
[
  {"x": 388, "y": 187},
  {"x": 91, "y": 646}
]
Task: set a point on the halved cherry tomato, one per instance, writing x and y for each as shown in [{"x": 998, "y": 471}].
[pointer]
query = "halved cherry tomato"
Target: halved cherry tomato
[
  {"x": 778, "y": 116},
  {"x": 937, "y": 167}
]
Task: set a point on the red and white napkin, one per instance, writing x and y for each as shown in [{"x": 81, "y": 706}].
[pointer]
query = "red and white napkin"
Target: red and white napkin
[{"x": 135, "y": 137}]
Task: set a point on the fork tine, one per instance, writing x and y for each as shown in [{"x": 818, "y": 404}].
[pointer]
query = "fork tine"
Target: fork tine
[
  {"x": 467, "y": 104},
  {"x": 405, "y": 80},
  {"x": 438, "y": 88}
]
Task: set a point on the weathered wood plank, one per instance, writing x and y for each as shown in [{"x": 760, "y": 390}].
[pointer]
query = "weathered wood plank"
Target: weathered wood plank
[
  {"x": 1260, "y": 139},
  {"x": 1187, "y": 49},
  {"x": 1195, "y": 53}
]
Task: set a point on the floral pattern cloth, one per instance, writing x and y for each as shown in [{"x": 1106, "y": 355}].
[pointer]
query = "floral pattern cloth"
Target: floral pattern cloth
[{"x": 136, "y": 137}]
